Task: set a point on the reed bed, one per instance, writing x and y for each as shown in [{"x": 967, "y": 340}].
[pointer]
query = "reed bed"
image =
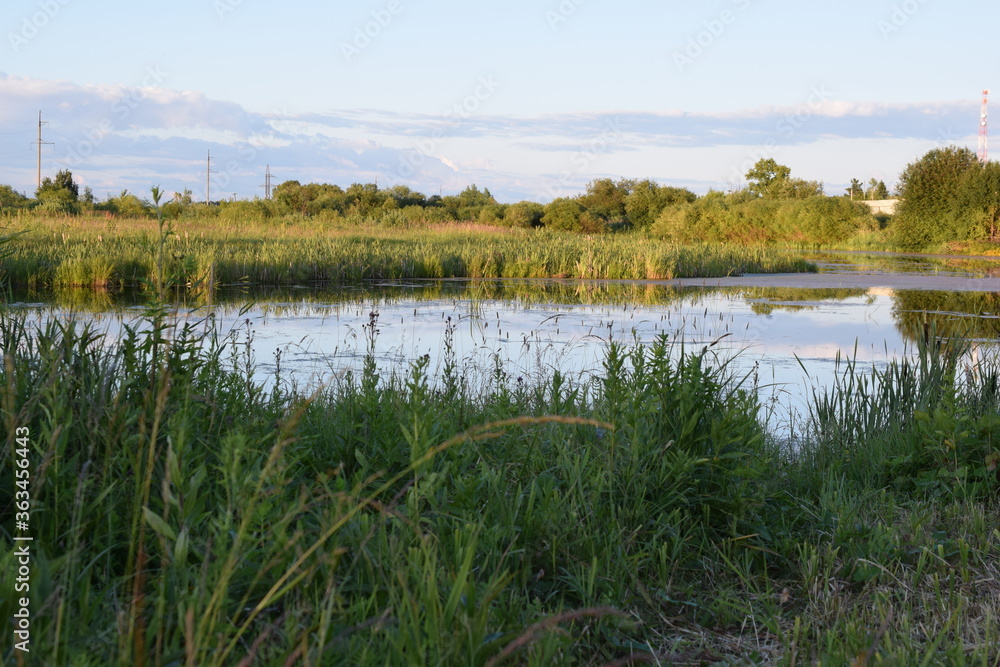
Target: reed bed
[
  {"x": 184, "y": 515},
  {"x": 85, "y": 252}
]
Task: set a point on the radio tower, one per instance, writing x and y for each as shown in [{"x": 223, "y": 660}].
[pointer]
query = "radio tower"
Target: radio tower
[{"x": 984, "y": 144}]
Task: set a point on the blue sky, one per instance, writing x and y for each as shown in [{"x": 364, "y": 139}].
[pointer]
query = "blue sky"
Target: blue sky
[{"x": 529, "y": 99}]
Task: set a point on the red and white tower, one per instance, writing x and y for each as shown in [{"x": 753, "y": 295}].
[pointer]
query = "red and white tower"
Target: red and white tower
[{"x": 984, "y": 147}]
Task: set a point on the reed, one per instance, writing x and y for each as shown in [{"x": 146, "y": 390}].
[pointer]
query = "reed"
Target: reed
[
  {"x": 85, "y": 252},
  {"x": 182, "y": 514}
]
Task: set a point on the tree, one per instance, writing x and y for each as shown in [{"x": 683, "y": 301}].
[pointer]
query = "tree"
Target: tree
[
  {"x": 524, "y": 214},
  {"x": 877, "y": 190},
  {"x": 978, "y": 203},
  {"x": 10, "y": 198},
  {"x": 59, "y": 194},
  {"x": 929, "y": 188},
  {"x": 765, "y": 176},
  {"x": 855, "y": 190},
  {"x": 606, "y": 199},
  {"x": 404, "y": 196},
  {"x": 289, "y": 195},
  {"x": 771, "y": 180},
  {"x": 648, "y": 199},
  {"x": 472, "y": 197},
  {"x": 563, "y": 214}
]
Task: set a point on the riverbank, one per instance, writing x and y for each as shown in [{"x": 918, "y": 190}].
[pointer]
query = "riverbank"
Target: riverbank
[{"x": 180, "y": 511}]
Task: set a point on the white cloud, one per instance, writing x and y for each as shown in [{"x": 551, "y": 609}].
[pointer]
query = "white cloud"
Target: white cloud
[{"x": 128, "y": 137}]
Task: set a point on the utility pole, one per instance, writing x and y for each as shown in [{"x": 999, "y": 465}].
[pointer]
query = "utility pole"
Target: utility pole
[
  {"x": 984, "y": 115},
  {"x": 267, "y": 182},
  {"x": 208, "y": 179},
  {"x": 40, "y": 142}
]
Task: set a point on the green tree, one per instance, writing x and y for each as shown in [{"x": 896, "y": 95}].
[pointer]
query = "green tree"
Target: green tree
[
  {"x": 978, "y": 203},
  {"x": 524, "y": 214},
  {"x": 404, "y": 196},
  {"x": 364, "y": 198},
  {"x": 59, "y": 194},
  {"x": 564, "y": 214},
  {"x": 856, "y": 190},
  {"x": 11, "y": 199},
  {"x": 127, "y": 205},
  {"x": 647, "y": 200},
  {"x": 771, "y": 180},
  {"x": 877, "y": 190},
  {"x": 765, "y": 176},
  {"x": 929, "y": 188},
  {"x": 473, "y": 196},
  {"x": 606, "y": 198},
  {"x": 289, "y": 196}
]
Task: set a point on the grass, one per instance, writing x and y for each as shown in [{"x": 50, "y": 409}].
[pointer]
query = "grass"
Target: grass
[
  {"x": 184, "y": 515},
  {"x": 58, "y": 252}
]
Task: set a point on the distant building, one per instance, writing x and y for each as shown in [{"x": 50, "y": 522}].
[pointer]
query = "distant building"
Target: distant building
[{"x": 882, "y": 205}]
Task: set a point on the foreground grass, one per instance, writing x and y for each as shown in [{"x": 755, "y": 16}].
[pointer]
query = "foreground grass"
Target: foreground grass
[
  {"x": 79, "y": 251},
  {"x": 183, "y": 515}
]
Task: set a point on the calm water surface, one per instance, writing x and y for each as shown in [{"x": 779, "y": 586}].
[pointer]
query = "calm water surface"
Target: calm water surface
[{"x": 784, "y": 340}]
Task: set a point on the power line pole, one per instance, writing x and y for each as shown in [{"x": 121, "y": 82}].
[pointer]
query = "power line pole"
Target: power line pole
[
  {"x": 40, "y": 142},
  {"x": 208, "y": 179},
  {"x": 267, "y": 182},
  {"x": 984, "y": 153}
]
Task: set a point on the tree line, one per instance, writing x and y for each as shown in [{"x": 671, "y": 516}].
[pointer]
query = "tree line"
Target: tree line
[{"x": 946, "y": 196}]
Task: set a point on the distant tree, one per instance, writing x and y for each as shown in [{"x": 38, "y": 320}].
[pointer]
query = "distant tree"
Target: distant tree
[
  {"x": 472, "y": 197},
  {"x": 647, "y": 200},
  {"x": 765, "y": 175},
  {"x": 563, "y": 214},
  {"x": 771, "y": 180},
  {"x": 978, "y": 203},
  {"x": 403, "y": 196},
  {"x": 60, "y": 193},
  {"x": 606, "y": 198},
  {"x": 877, "y": 190},
  {"x": 524, "y": 214},
  {"x": 856, "y": 190},
  {"x": 10, "y": 198},
  {"x": 796, "y": 188},
  {"x": 289, "y": 195},
  {"x": 929, "y": 189},
  {"x": 364, "y": 199},
  {"x": 127, "y": 205}
]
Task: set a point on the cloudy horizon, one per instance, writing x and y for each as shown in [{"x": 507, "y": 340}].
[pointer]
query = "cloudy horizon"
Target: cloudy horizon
[{"x": 153, "y": 121}]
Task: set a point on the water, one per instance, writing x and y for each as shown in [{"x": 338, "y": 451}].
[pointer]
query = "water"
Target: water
[{"x": 784, "y": 341}]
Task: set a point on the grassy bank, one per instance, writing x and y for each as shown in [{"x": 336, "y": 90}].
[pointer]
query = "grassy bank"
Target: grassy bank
[
  {"x": 183, "y": 515},
  {"x": 75, "y": 251}
]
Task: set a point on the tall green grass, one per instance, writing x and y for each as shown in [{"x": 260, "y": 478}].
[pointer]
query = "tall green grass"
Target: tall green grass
[
  {"x": 185, "y": 515},
  {"x": 61, "y": 253}
]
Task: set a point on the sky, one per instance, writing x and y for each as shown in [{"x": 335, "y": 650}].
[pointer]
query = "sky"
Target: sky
[{"x": 530, "y": 99}]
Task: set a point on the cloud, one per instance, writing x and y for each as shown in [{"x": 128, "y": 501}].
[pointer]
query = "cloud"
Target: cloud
[{"x": 117, "y": 136}]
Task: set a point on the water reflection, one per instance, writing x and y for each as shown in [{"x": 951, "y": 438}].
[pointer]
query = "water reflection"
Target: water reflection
[{"x": 310, "y": 335}]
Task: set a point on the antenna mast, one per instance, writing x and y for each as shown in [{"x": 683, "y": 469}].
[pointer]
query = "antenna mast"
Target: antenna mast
[{"x": 984, "y": 143}]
